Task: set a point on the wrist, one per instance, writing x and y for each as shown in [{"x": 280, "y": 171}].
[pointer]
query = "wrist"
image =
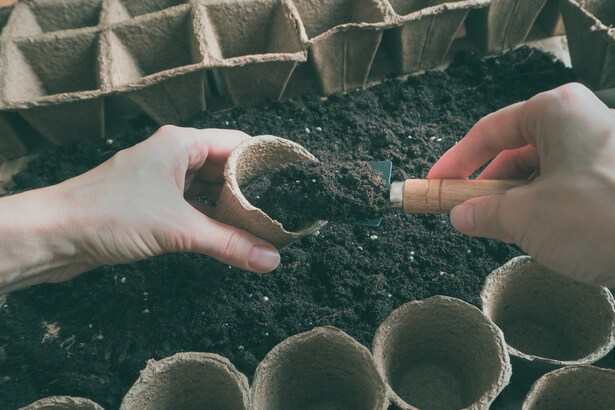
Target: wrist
[{"x": 38, "y": 241}]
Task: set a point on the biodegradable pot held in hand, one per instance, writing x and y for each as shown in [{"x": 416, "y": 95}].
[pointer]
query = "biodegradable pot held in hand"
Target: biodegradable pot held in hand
[
  {"x": 548, "y": 320},
  {"x": 63, "y": 403},
  {"x": 257, "y": 156},
  {"x": 441, "y": 353}
]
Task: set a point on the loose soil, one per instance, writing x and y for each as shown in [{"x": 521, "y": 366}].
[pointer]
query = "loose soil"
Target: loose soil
[
  {"x": 92, "y": 335},
  {"x": 300, "y": 193}
]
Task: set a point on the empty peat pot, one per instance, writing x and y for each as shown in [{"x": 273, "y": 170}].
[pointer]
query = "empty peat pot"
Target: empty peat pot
[
  {"x": 548, "y": 320},
  {"x": 191, "y": 380},
  {"x": 441, "y": 353},
  {"x": 320, "y": 369},
  {"x": 63, "y": 403},
  {"x": 573, "y": 387},
  {"x": 257, "y": 156}
]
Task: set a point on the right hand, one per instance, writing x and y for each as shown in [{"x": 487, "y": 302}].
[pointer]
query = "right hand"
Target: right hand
[{"x": 565, "y": 219}]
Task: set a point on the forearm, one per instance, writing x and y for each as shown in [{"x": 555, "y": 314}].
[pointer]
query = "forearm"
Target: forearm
[{"x": 37, "y": 239}]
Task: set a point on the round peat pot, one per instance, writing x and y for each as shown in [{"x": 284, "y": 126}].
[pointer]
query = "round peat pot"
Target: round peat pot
[
  {"x": 573, "y": 387},
  {"x": 320, "y": 369},
  {"x": 189, "y": 381},
  {"x": 257, "y": 156},
  {"x": 548, "y": 320},
  {"x": 63, "y": 403},
  {"x": 441, "y": 353}
]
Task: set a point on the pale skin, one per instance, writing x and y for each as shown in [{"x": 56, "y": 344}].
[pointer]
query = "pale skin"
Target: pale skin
[
  {"x": 136, "y": 205},
  {"x": 140, "y": 203},
  {"x": 565, "y": 217}
]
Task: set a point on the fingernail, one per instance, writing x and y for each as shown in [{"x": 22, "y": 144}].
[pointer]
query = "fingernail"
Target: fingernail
[
  {"x": 462, "y": 218},
  {"x": 263, "y": 259}
]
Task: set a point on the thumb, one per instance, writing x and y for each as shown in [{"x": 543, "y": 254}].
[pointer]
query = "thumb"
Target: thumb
[
  {"x": 489, "y": 216},
  {"x": 231, "y": 245}
]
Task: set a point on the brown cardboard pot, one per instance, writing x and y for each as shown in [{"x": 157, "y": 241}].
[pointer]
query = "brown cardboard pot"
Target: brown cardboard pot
[
  {"x": 257, "y": 156},
  {"x": 441, "y": 353},
  {"x": 505, "y": 23},
  {"x": 320, "y": 369},
  {"x": 342, "y": 37},
  {"x": 548, "y": 320},
  {"x": 425, "y": 34},
  {"x": 255, "y": 46},
  {"x": 63, "y": 403},
  {"x": 573, "y": 387},
  {"x": 190, "y": 380},
  {"x": 158, "y": 60},
  {"x": 591, "y": 40}
]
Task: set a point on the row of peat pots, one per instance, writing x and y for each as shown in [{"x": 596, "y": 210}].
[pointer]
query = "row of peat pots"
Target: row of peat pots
[
  {"x": 436, "y": 353},
  {"x": 70, "y": 69}
]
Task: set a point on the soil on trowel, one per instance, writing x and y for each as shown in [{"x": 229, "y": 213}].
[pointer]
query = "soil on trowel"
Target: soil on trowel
[
  {"x": 92, "y": 335},
  {"x": 300, "y": 193}
]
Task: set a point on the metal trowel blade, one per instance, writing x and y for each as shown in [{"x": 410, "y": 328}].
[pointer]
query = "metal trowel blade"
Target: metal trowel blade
[{"x": 385, "y": 168}]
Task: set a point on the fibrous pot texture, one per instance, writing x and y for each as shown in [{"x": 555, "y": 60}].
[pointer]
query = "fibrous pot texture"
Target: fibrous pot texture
[
  {"x": 189, "y": 381},
  {"x": 63, "y": 403},
  {"x": 320, "y": 369},
  {"x": 441, "y": 353},
  {"x": 573, "y": 387},
  {"x": 65, "y": 64},
  {"x": 426, "y": 30},
  {"x": 503, "y": 24},
  {"x": 548, "y": 318},
  {"x": 259, "y": 155},
  {"x": 591, "y": 40}
]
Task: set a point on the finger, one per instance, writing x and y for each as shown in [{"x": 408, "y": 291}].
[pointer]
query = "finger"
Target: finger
[
  {"x": 202, "y": 207},
  {"x": 511, "y": 164},
  {"x": 201, "y": 144},
  {"x": 231, "y": 245},
  {"x": 212, "y": 171},
  {"x": 491, "y": 135},
  {"x": 198, "y": 188},
  {"x": 502, "y": 217},
  {"x": 219, "y": 143}
]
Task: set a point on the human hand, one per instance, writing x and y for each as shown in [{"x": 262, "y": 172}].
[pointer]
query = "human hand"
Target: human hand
[
  {"x": 141, "y": 202},
  {"x": 136, "y": 205},
  {"x": 564, "y": 218}
]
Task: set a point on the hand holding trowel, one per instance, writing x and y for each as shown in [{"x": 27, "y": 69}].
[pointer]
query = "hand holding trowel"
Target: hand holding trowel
[{"x": 436, "y": 196}]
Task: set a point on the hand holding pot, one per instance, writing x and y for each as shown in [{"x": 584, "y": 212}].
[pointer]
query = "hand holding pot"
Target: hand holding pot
[
  {"x": 138, "y": 204},
  {"x": 564, "y": 218}
]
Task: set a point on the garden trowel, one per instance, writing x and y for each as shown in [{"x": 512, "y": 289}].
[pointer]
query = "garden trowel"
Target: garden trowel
[{"x": 436, "y": 196}]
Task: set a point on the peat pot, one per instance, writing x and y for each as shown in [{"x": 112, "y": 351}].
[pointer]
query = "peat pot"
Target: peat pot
[
  {"x": 189, "y": 381},
  {"x": 260, "y": 155},
  {"x": 591, "y": 40},
  {"x": 320, "y": 369},
  {"x": 548, "y": 320},
  {"x": 63, "y": 403},
  {"x": 573, "y": 387},
  {"x": 441, "y": 353}
]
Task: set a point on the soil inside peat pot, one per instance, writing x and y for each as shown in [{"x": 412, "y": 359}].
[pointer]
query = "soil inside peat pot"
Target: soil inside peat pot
[
  {"x": 299, "y": 193},
  {"x": 91, "y": 336}
]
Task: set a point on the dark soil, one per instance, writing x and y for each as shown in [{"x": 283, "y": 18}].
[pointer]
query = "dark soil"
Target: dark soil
[
  {"x": 302, "y": 192},
  {"x": 110, "y": 321}
]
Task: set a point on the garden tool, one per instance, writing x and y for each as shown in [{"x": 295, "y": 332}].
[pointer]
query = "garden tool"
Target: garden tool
[{"x": 436, "y": 196}]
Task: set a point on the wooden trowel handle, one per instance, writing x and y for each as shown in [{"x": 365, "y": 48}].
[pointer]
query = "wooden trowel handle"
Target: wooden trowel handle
[{"x": 438, "y": 196}]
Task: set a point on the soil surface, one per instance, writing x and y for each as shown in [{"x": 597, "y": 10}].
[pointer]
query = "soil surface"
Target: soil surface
[
  {"x": 92, "y": 335},
  {"x": 303, "y": 192}
]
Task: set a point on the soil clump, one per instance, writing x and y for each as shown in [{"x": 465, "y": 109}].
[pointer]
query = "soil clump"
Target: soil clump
[
  {"x": 109, "y": 322},
  {"x": 299, "y": 193}
]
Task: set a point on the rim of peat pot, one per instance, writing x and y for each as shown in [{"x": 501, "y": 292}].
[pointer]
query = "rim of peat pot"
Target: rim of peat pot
[
  {"x": 549, "y": 320},
  {"x": 321, "y": 368},
  {"x": 443, "y": 353}
]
